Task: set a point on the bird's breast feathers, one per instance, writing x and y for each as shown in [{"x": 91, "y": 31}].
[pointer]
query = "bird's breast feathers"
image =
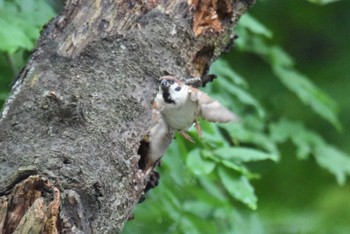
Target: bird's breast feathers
[{"x": 180, "y": 114}]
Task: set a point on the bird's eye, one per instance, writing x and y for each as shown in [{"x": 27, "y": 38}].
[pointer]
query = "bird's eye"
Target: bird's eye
[{"x": 178, "y": 88}]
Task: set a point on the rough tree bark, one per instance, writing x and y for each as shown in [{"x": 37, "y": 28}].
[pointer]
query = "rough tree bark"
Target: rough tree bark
[{"x": 71, "y": 129}]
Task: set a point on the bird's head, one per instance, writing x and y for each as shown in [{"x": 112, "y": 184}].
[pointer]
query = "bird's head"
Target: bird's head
[
  {"x": 172, "y": 89},
  {"x": 170, "y": 83}
]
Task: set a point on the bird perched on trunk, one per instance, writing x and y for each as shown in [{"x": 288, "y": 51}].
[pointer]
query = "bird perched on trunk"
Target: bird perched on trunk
[{"x": 177, "y": 107}]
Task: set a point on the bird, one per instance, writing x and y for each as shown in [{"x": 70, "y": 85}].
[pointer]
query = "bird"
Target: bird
[{"x": 176, "y": 108}]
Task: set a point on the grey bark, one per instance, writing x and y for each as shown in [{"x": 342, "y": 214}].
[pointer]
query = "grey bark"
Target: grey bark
[{"x": 71, "y": 129}]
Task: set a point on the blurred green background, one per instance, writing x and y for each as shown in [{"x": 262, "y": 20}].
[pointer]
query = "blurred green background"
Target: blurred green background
[{"x": 283, "y": 168}]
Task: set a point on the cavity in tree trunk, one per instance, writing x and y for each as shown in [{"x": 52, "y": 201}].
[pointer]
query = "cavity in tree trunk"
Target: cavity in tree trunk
[{"x": 71, "y": 130}]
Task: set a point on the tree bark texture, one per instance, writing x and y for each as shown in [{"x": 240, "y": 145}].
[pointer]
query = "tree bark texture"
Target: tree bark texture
[{"x": 71, "y": 129}]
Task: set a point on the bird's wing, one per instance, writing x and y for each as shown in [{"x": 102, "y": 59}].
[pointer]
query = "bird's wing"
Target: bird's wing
[
  {"x": 160, "y": 137},
  {"x": 210, "y": 109}
]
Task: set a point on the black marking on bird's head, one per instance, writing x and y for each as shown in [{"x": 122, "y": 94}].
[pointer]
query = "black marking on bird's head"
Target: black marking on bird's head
[
  {"x": 167, "y": 97},
  {"x": 169, "y": 84},
  {"x": 166, "y": 83}
]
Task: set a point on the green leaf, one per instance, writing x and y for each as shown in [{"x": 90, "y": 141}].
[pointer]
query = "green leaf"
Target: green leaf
[
  {"x": 173, "y": 163},
  {"x": 244, "y": 97},
  {"x": 247, "y": 99},
  {"x": 12, "y": 37},
  {"x": 251, "y": 43},
  {"x": 200, "y": 193},
  {"x": 335, "y": 161},
  {"x": 239, "y": 168},
  {"x": 212, "y": 136},
  {"x": 304, "y": 139},
  {"x": 35, "y": 12},
  {"x": 3, "y": 96},
  {"x": 243, "y": 154},
  {"x": 199, "y": 165},
  {"x": 322, "y": 2},
  {"x": 212, "y": 188},
  {"x": 198, "y": 208},
  {"x": 282, "y": 66},
  {"x": 278, "y": 57},
  {"x": 254, "y": 25},
  {"x": 319, "y": 101},
  {"x": 238, "y": 187},
  {"x": 244, "y": 222},
  {"x": 21, "y": 22},
  {"x": 194, "y": 224},
  {"x": 222, "y": 69},
  {"x": 307, "y": 142},
  {"x": 240, "y": 133}
]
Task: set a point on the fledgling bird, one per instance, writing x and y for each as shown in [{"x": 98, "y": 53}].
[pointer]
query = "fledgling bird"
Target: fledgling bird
[{"x": 177, "y": 107}]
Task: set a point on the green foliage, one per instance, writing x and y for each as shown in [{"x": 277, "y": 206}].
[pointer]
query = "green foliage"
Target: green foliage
[
  {"x": 20, "y": 25},
  {"x": 309, "y": 142},
  {"x": 216, "y": 173},
  {"x": 321, "y": 2},
  {"x": 21, "y": 22},
  {"x": 238, "y": 187},
  {"x": 253, "y": 40},
  {"x": 190, "y": 194}
]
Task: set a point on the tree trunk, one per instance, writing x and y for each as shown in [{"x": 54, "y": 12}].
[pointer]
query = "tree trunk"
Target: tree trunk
[{"x": 72, "y": 127}]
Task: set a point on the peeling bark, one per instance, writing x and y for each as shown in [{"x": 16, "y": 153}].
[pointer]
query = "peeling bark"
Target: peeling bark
[{"x": 71, "y": 129}]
